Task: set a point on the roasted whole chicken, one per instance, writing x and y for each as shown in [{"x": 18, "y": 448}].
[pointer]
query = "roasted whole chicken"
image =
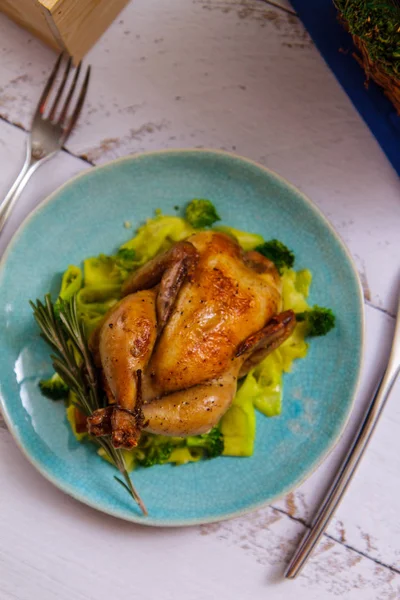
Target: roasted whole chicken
[{"x": 191, "y": 322}]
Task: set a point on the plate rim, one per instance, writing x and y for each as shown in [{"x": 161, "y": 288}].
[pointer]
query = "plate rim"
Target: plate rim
[{"x": 135, "y": 517}]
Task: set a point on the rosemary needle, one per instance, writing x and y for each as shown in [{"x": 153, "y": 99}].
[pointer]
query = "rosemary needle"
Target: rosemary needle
[{"x": 62, "y": 330}]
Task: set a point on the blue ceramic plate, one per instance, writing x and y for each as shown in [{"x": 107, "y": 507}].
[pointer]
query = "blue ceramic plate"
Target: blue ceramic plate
[{"x": 86, "y": 217}]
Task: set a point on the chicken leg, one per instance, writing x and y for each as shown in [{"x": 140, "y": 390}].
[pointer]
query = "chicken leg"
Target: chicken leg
[
  {"x": 126, "y": 338},
  {"x": 125, "y": 344}
]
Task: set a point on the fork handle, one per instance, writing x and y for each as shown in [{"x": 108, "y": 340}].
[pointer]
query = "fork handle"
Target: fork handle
[
  {"x": 29, "y": 167},
  {"x": 351, "y": 461}
]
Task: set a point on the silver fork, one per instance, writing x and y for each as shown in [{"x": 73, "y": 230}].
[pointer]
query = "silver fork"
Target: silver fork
[{"x": 48, "y": 133}]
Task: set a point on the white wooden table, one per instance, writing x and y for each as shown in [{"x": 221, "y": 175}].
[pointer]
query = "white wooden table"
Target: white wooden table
[{"x": 242, "y": 76}]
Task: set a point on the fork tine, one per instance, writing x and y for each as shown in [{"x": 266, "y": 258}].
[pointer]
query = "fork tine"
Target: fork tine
[
  {"x": 78, "y": 106},
  {"x": 60, "y": 90},
  {"x": 70, "y": 94},
  {"x": 44, "y": 97}
]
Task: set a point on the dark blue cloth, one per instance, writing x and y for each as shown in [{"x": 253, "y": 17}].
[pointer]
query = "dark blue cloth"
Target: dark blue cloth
[{"x": 320, "y": 19}]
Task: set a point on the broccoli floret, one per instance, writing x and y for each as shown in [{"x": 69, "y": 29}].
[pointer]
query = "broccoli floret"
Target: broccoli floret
[
  {"x": 212, "y": 442},
  {"x": 155, "y": 455},
  {"x": 125, "y": 258},
  {"x": 201, "y": 213},
  {"x": 319, "y": 320},
  {"x": 280, "y": 255},
  {"x": 54, "y": 388},
  {"x": 157, "y": 450}
]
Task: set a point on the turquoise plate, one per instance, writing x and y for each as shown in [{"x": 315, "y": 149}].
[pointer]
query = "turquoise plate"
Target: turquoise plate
[{"x": 86, "y": 217}]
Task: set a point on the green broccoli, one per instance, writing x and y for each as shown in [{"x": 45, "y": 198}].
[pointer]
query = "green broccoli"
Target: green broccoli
[
  {"x": 212, "y": 443},
  {"x": 319, "y": 320},
  {"x": 54, "y": 388},
  {"x": 280, "y": 255},
  {"x": 125, "y": 254},
  {"x": 125, "y": 259},
  {"x": 155, "y": 454},
  {"x": 201, "y": 213}
]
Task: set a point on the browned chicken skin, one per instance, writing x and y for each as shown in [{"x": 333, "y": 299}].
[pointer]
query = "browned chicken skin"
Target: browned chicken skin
[{"x": 171, "y": 355}]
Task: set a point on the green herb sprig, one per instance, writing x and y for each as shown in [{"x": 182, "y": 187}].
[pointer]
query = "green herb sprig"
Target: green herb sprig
[
  {"x": 72, "y": 360},
  {"x": 376, "y": 23}
]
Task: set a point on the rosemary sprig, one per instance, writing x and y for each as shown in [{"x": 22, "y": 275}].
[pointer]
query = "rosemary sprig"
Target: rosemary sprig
[{"x": 73, "y": 362}]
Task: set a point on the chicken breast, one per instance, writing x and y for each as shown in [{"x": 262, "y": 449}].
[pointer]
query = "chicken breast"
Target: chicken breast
[{"x": 227, "y": 298}]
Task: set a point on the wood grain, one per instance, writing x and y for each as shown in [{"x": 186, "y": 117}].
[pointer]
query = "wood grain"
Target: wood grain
[
  {"x": 28, "y": 14},
  {"x": 71, "y": 25},
  {"x": 81, "y": 22}
]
